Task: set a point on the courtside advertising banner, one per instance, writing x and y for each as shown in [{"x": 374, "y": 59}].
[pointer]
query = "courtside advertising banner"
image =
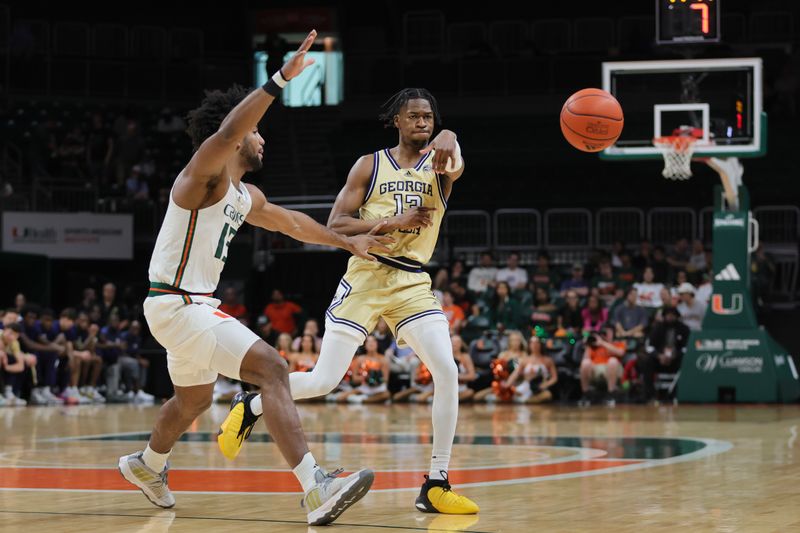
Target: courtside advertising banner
[{"x": 69, "y": 235}]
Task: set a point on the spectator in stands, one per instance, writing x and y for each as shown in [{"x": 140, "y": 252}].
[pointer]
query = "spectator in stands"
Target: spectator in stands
[
  {"x": 110, "y": 305},
  {"x": 630, "y": 319},
  {"x": 617, "y": 247},
  {"x": 601, "y": 360},
  {"x": 544, "y": 275},
  {"x": 63, "y": 332},
  {"x": 110, "y": 346},
  {"x": 513, "y": 275},
  {"x": 648, "y": 291},
  {"x": 696, "y": 264},
  {"x": 72, "y": 153},
  {"x": 570, "y": 317},
  {"x": 594, "y": 314},
  {"x": 461, "y": 297},
  {"x": 665, "y": 348},
  {"x": 99, "y": 149},
  {"x": 576, "y": 282},
  {"x": 482, "y": 351},
  {"x": 660, "y": 265},
  {"x": 679, "y": 255},
  {"x": 88, "y": 301},
  {"x": 533, "y": 376},
  {"x": 284, "y": 346},
  {"x": 130, "y": 150},
  {"x": 265, "y": 331},
  {"x": 402, "y": 361},
  {"x": 20, "y": 302},
  {"x": 544, "y": 316},
  {"x": 458, "y": 272},
  {"x": 133, "y": 365},
  {"x": 704, "y": 289},
  {"x": 604, "y": 284},
  {"x": 681, "y": 277},
  {"x": 691, "y": 309},
  {"x": 136, "y": 187},
  {"x": 304, "y": 359},
  {"x": 12, "y": 366},
  {"x": 454, "y": 313},
  {"x": 627, "y": 273},
  {"x": 282, "y": 313},
  {"x": 32, "y": 339},
  {"x": 482, "y": 276},
  {"x": 232, "y": 306},
  {"x": 383, "y": 335},
  {"x": 311, "y": 327},
  {"x": 91, "y": 364},
  {"x": 644, "y": 257},
  {"x": 504, "y": 312},
  {"x": 440, "y": 282}
]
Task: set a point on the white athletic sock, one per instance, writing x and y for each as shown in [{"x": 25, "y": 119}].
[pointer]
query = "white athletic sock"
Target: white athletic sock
[
  {"x": 440, "y": 462},
  {"x": 431, "y": 342},
  {"x": 335, "y": 355},
  {"x": 154, "y": 460},
  {"x": 255, "y": 405},
  {"x": 304, "y": 472}
]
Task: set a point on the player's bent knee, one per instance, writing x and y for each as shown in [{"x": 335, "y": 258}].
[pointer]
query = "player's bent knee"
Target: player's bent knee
[{"x": 263, "y": 364}]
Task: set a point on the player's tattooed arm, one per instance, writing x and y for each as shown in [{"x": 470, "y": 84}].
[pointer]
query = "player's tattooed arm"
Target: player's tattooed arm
[
  {"x": 303, "y": 228},
  {"x": 344, "y": 216}
]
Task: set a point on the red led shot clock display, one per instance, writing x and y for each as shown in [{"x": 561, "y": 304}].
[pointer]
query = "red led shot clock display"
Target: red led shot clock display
[{"x": 687, "y": 21}]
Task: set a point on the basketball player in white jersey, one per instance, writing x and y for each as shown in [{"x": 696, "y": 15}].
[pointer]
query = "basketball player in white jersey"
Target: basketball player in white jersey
[
  {"x": 407, "y": 186},
  {"x": 207, "y": 206}
]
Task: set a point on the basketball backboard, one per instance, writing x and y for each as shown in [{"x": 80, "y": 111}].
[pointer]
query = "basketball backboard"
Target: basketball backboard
[{"x": 720, "y": 98}]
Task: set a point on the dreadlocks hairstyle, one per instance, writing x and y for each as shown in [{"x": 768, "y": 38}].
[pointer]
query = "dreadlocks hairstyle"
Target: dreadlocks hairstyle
[
  {"x": 392, "y": 106},
  {"x": 204, "y": 121}
]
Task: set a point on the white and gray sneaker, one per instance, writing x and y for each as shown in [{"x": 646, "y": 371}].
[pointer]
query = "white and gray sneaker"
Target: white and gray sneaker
[
  {"x": 332, "y": 495},
  {"x": 152, "y": 484},
  {"x": 11, "y": 400},
  {"x": 37, "y": 398}
]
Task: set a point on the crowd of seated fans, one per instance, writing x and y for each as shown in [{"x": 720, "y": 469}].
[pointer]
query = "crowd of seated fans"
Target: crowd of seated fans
[
  {"x": 600, "y": 330},
  {"x": 89, "y": 353}
]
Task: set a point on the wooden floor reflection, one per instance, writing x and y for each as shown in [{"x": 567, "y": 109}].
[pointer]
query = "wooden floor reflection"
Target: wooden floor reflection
[{"x": 708, "y": 468}]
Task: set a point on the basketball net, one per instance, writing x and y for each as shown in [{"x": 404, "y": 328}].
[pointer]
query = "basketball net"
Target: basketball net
[{"x": 677, "y": 151}]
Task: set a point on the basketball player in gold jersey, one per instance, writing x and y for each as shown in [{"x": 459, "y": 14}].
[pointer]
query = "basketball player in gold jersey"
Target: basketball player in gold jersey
[{"x": 407, "y": 186}]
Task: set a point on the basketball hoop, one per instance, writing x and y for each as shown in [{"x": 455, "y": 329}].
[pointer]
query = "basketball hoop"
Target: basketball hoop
[{"x": 677, "y": 151}]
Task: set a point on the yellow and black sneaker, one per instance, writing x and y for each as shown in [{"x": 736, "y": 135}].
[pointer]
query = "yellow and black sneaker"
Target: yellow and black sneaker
[
  {"x": 436, "y": 496},
  {"x": 237, "y": 426}
]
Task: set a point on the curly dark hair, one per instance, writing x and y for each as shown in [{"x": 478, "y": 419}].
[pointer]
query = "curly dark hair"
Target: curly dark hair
[
  {"x": 392, "y": 106},
  {"x": 204, "y": 121}
]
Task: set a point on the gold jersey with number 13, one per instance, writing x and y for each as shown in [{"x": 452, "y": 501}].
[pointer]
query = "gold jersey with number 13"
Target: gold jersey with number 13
[{"x": 392, "y": 191}]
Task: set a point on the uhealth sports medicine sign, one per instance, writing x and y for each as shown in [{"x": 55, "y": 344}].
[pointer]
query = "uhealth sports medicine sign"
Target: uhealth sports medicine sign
[{"x": 69, "y": 235}]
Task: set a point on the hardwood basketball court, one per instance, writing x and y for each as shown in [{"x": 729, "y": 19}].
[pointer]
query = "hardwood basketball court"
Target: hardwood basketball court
[{"x": 709, "y": 468}]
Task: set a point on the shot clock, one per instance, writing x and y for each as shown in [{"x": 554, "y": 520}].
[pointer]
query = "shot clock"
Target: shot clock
[{"x": 687, "y": 21}]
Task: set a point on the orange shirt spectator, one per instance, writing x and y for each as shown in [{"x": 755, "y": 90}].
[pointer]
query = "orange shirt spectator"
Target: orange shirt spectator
[
  {"x": 230, "y": 305},
  {"x": 454, "y": 313},
  {"x": 600, "y": 355},
  {"x": 281, "y": 313}
]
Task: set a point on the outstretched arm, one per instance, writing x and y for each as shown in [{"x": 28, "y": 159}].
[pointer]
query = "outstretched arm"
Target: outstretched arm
[
  {"x": 304, "y": 228},
  {"x": 344, "y": 214},
  {"x": 208, "y": 161}
]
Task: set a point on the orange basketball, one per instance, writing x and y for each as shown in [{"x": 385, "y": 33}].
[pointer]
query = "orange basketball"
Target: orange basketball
[{"x": 591, "y": 120}]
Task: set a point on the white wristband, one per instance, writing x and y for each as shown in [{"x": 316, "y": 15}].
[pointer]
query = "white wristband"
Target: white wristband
[
  {"x": 279, "y": 79},
  {"x": 454, "y": 164}
]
